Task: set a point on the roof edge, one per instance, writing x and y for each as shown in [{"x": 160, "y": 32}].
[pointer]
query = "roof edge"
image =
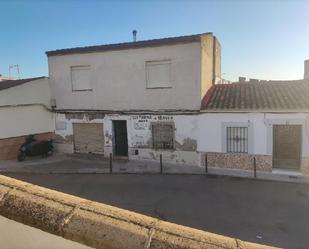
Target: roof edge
[{"x": 128, "y": 45}]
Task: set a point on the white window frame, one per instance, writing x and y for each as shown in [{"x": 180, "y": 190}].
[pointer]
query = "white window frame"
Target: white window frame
[
  {"x": 81, "y": 67},
  {"x": 163, "y": 85}
]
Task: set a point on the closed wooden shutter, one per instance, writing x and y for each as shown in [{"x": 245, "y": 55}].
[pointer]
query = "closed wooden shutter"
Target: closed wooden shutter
[{"x": 88, "y": 138}]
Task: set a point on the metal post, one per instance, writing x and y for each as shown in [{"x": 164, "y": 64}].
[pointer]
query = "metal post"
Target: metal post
[
  {"x": 110, "y": 163},
  {"x": 206, "y": 164},
  {"x": 161, "y": 165},
  {"x": 254, "y": 166}
]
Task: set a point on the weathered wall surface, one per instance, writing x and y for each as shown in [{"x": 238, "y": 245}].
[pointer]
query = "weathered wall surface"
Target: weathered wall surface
[
  {"x": 195, "y": 135},
  {"x": 139, "y": 135},
  {"x": 34, "y": 92},
  {"x": 118, "y": 79}
]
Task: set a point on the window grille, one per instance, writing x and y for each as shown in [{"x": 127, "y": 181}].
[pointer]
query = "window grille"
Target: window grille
[
  {"x": 237, "y": 139},
  {"x": 163, "y": 136}
]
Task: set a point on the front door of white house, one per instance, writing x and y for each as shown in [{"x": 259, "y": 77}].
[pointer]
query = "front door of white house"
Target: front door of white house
[{"x": 287, "y": 146}]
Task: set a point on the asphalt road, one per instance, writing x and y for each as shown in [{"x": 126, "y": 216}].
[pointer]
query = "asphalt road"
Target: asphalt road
[{"x": 272, "y": 213}]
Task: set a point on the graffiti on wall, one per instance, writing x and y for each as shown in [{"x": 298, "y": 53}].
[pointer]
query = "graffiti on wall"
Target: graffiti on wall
[{"x": 142, "y": 122}]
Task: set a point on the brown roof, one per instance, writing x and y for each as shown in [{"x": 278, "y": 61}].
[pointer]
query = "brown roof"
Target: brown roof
[
  {"x": 128, "y": 45},
  {"x": 262, "y": 95},
  {"x": 11, "y": 83}
]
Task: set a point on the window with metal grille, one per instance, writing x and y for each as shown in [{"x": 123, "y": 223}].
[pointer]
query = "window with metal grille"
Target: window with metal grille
[
  {"x": 163, "y": 136},
  {"x": 237, "y": 139}
]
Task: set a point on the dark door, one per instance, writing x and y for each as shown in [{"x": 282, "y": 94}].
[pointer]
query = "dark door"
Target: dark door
[
  {"x": 287, "y": 146},
  {"x": 120, "y": 138}
]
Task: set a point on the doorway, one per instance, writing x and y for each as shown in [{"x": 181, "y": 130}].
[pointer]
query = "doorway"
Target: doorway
[
  {"x": 120, "y": 138},
  {"x": 287, "y": 146}
]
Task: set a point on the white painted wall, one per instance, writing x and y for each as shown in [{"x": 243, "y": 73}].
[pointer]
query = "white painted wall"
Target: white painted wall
[
  {"x": 34, "y": 92},
  {"x": 118, "y": 79},
  {"x": 211, "y": 130},
  {"x": 15, "y": 235},
  {"x": 24, "y": 120}
]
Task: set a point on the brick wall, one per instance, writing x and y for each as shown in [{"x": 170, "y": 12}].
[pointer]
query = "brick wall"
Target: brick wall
[{"x": 9, "y": 147}]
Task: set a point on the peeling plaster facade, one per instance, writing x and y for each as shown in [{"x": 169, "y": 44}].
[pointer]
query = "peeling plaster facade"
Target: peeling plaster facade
[{"x": 139, "y": 135}]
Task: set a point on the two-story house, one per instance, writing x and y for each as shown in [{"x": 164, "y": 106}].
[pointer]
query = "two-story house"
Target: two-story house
[{"x": 136, "y": 99}]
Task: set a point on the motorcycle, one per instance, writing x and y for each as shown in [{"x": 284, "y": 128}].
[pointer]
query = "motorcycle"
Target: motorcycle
[{"x": 31, "y": 147}]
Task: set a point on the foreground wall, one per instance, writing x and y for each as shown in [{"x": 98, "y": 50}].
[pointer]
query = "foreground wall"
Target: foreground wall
[{"x": 98, "y": 225}]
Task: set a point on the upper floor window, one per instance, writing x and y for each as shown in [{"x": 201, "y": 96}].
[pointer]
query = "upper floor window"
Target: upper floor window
[
  {"x": 158, "y": 74},
  {"x": 237, "y": 139},
  {"x": 80, "y": 77}
]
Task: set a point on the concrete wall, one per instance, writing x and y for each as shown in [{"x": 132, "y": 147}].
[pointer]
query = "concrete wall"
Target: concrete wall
[
  {"x": 15, "y": 235},
  {"x": 34, "y": 92},
  {"x": 119, "y": 79}
]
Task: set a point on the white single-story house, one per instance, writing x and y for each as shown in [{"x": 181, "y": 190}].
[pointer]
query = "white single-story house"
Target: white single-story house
[{"x": 24, "y": 109}]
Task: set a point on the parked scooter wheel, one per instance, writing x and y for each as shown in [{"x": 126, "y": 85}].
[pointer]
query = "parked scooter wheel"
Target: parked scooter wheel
[{"x": 21, "y": 156}]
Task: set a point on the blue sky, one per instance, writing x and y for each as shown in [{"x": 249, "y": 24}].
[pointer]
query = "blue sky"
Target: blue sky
[{"x": 260, "y": 39}]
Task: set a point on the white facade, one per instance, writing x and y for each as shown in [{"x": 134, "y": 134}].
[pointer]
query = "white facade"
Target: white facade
[
  {"x": 118, "y": 79},
  {"x": 211, "y": 136},
  {"x": 24, "y": 109}
]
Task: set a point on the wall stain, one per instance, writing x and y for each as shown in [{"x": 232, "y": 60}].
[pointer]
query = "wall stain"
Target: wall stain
[
  {"x": 68, "y": 139},
  {"x": 188, "y": 144}
]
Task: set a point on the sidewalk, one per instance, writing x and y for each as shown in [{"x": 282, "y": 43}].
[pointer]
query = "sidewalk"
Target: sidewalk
[
  {"x": 75, "y": 164},
  {"x": 97, "y": 164}
]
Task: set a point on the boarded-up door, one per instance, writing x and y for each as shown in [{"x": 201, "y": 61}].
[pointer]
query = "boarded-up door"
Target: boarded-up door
[
  {"x": 88, "y": 138},
  {"x": 287, "y": 146}
]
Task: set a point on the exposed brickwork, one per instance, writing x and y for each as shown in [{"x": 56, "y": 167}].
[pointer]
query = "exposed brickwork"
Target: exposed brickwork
[
  {"x": 239, "y": 161},
  {"x": 9, "y": 147}
]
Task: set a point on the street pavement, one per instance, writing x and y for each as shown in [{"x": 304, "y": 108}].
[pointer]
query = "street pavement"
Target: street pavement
[{"x": 267, "y": 212}]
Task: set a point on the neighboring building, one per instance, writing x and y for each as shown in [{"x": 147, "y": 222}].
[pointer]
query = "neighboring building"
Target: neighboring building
[
  {"x": 136, "y": 99},
  {"x": 268, "y": 120},
  {"x": 24, "y": 109}
]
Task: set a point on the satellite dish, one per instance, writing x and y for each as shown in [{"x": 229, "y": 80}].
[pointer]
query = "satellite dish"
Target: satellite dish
[{"x": 307, "y": 126}]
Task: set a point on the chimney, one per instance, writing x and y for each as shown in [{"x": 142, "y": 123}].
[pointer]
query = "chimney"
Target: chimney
[
  {"x": 306, "y": 71},
  {"x": 134, "y": 32},
  {"x": 241, "y": 79}
]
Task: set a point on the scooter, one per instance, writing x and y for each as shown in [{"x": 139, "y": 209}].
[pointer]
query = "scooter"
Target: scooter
[{"x": 31, "y": 147}]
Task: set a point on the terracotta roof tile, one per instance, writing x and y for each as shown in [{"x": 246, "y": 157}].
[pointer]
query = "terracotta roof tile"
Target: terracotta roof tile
[{"x": 262, "y": 95}]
